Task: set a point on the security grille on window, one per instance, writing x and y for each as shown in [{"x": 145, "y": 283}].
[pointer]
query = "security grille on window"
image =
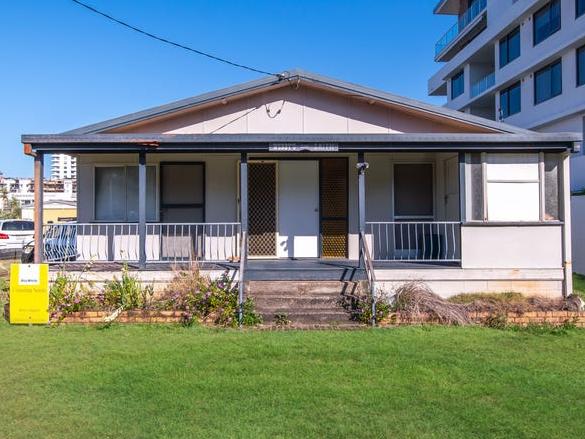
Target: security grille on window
[{"x": 116, "y": 193}]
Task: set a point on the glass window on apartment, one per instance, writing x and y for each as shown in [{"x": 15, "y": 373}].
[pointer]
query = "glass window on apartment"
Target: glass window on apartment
[
  {"x": 457, "y": 85},
  {"x": 546, "y": 21},
  {"x": 581, "y": 66},
  {"x": 510, "y": 47},
  {"x": 579, "y": 8},
  {"x": 116, "y": 193},
  {"x": 548, "y": 82},
  {"x": 510, "y": 100}
]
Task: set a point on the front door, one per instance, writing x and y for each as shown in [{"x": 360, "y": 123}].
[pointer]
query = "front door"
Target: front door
[{"x": 298, "y": 209}]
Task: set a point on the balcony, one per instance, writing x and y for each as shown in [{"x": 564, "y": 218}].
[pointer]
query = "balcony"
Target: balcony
[
  {"x": 468, "y": 25},
  {"x": 483, "y": 84}
]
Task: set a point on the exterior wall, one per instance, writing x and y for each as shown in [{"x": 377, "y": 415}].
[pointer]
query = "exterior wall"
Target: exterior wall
[
  {"x": 221, "y": 181},
  {"x": 50, "y": 215},
  {"x": 523, "y": 247},
  {"x": 287, "y": 110},
  {"x": 578, "y": 235}
]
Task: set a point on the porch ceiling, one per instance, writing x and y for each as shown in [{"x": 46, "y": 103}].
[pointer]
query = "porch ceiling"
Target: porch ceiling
[{"x": 70, "y": 143}]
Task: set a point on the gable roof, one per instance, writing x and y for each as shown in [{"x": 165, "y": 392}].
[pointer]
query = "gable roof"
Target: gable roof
[{"x": 296, "y": 76}]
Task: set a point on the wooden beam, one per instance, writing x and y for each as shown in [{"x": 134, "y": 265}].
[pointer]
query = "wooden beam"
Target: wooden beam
[
  {"x": 38, "y": 210},
  {"x": 244, "y": 233},
  {"x": 142, "y": 209},
  {"x": 361, "y": 203}
]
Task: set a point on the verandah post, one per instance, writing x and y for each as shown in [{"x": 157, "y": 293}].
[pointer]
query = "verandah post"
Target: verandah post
[
  {"x": 142, "y": 209},
  {"x": 243, "y": 232},
  {"x": 361, "y": 205},
  {"x": 38, "y": 213}
]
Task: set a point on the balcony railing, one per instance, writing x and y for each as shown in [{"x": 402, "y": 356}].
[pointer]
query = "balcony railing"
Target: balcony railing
[
  {"x": 483, "y": 84},
  {"x": 476, "y": 8},
  {"x": 414, "y": 241},
  {"x": 164, "y": 242}
]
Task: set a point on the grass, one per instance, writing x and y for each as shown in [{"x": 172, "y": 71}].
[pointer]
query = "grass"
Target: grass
[
  {"x": 579, "y": 284},
  {"x": 163, "y": 382}
]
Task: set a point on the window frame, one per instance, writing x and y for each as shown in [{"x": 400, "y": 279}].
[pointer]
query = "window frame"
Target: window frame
[
  {"x": 578, "y": 52},
  {"x": 124, "y": 165},
  {"x": 546, "y": 8},
  {"x": 507, "y": 91},
  {"x": 540, "y": 71},
  {"x": 456, "y": 77},
  {"x": 506, "y": 39},
  {"x": 483, "y": 162},
  {"x": 434, "y": 190},
  {"x": 201, "y": 205}
]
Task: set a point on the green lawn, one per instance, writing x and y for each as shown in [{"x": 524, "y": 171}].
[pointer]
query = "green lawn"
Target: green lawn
[{"x": 174, "y": 382}]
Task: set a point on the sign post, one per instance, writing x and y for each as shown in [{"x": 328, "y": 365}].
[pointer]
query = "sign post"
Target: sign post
[{"x": 29, "y": 293}]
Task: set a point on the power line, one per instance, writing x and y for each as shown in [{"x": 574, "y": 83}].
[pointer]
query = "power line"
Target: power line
[{"x": 172, "y": 43}]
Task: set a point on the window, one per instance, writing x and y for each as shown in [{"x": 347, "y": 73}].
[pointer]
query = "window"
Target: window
[
  {"x": 548, "y": 82},
  {"x": 413, "y": 190},
  {"x": 546, "y": 21},
  {"x": 116, "y": 193},
  {"x": 182, "y": 188},
  {"x": 510, "y": 47},
  {"x": 514, "y": 187},
  {"x": 579, "y": 8},
  {"x": 17, "y": 226},
  {"x": 510, "y": 100},
  {"x": 581, "y": 66},
  {"x": 457, "y": 85}
]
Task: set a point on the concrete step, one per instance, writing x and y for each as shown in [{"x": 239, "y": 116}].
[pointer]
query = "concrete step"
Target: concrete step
[
  {"x": 310, "y": 317},
  {"x": 313, "y": 301},
  {"x": 282, "y": 288}
]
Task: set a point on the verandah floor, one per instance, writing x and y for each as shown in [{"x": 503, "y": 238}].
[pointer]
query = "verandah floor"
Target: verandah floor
[{"x": 274, "y": 269}]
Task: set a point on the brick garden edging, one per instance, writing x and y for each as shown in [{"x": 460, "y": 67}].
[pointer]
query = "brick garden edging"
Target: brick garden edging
[
  {"x": 138, "y": 316},
  {"x": 512, "y": 318}
]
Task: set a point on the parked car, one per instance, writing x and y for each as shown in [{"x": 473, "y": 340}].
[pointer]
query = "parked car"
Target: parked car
[
  {"x": 60, "y": 242},
  {"x": 14, "y": 233}
]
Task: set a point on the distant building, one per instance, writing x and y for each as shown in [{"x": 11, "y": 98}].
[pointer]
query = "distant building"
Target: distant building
[
  {"x": 517, "y": 61},
  {"x": 58, "y": 194},
  {"x": 63, "y": 166}
]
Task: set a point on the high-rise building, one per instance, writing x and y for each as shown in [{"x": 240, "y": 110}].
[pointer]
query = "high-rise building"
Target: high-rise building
[
  {"x": 517, "y": 61},
  {"x": 63, "y": 166}
]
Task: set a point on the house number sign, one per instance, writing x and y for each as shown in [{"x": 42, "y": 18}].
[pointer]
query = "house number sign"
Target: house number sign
[{"x": 300, "y": 147}]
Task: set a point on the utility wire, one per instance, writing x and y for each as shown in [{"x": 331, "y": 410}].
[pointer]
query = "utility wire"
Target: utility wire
[{"x": 172, "y": 43}]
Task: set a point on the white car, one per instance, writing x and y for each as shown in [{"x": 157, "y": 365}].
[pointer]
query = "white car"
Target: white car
[{"x": 14, "y": 233}]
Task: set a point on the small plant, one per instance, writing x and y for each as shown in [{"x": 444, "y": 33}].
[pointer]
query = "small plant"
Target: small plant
[
  {"x": 4, "y": 289},
  {"x": 360, "y": 308},
  {"x": 496, "y": 321},
  {"x": 66, "y": 295},
  {"x": 125, "y": 293},
  {"x": 281, "y": 319},
  {"x": 546, "y": 328}
]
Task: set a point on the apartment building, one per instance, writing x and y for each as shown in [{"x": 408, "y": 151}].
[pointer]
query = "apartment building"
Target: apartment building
[
  {"x": 517, "y": 61},
  {"x": 63, "y": 166}
]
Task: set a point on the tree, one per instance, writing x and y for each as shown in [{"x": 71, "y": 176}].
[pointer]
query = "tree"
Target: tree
[{"x": 10, "y": 206}]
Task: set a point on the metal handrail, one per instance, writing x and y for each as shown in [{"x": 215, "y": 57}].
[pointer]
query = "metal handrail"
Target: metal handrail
[
  {"x": 120, "y": 242},
  {"x": 370, "y": 274},
  {"x": 241, "y": 280},
  {"x": 464, "y": 20},
  {"x": 420, "y": 241}
]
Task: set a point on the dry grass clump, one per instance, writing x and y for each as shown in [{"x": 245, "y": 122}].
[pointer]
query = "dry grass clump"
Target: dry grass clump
[
  {"x": 514, "y": 302},
  {"x": 414, "y": 300}
]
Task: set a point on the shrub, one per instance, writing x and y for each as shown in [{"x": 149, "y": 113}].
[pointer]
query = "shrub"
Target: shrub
[
  {"x": 360, "y": 307},
  {"x": 67, "y": 296},
  {"x": 126, "y": 293},
  {"x": 212, "y": 301}
]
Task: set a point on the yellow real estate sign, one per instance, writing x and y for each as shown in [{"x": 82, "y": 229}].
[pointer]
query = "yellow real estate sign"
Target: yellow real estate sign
[{"x": 29, "y": 293}]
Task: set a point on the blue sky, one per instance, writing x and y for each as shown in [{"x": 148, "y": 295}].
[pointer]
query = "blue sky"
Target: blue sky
[{"x": 62, "y": 67}]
